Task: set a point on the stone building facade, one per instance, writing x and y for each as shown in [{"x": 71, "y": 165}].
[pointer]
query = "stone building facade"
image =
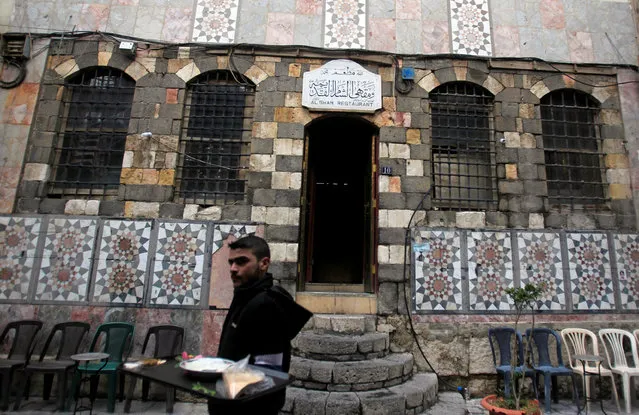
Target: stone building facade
[{"x": 339, "y": 250}]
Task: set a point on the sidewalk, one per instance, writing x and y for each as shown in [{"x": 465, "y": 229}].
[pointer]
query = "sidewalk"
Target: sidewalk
[{"x": 450, "y": 403}]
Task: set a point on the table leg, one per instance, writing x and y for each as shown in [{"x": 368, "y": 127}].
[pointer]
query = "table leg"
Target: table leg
[{"x": 129, "y": 393}]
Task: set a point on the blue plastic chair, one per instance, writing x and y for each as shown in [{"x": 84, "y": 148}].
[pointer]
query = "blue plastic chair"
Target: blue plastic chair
[
  {"x": 543, "y": 363},
  {"x": 504, "y": 336},
  {"x": 115, "y": 339}
]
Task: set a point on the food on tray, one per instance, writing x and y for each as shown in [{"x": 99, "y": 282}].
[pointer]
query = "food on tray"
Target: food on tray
[
  {"x": 234, "y": 382},
  {"x": 152, "y": 362},
  {"x": 206, "y": 364}
]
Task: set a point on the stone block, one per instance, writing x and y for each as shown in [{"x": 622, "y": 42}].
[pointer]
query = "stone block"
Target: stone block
[
  {"x": 528, "y": 140},
  {"x": 511, "y": 171},
  {"x": 387, "y": 298},
  {"x": 532, "y": 204},
  {"x": 415, "y": 184},
  {"x": 288, "y": 163},
  {"x": 391, "y": 236},
  {"x": 616, "y": 161},
  {"x": 470, "y": 220},
  {"x": 392, "y": 134},
  {"x": 311, "y": 403},
  {"x": 513, "y": 139},
  {"x": 390, "y": 272},
  {"x": 399, "y": 151},
  {"x": 190, "y": 210},
  {"x": 381, "y": 402},
  {"x": 262, "y": 162},
  {"x": 52, "y": 206},
  {"x": 518, "y": 220},
  {"x": 536, "y": 221},
  {"x": 236, "y": 212},
  {"x": 148, "y": 193},
  {"x": 112, "y": 208},
  {"x": 259, "y": 179},
  {"x": 415, "y": 168},
  {"x": 496, "y": 220},
  {"x": 265, "y": 129},
  {"x": 342, "y": 403},
  {"x": 581, "y": 221},
  {"x": 510, "y": 188},
  {"x": 282, "y": 233},
  {"x": 293, "y": 99},
  {"x": 171, "y": 210},
  {"x": 292, "y": 115},
  {"x": 75, "y": 207},
  {"x": 141, "y": 210},
  {"x": 36, "y": 172},
  {"x": 290, "y": 130},
  {"x": 531, "y": 126},
  {"x": 261, "y": 146},
  {"x": 210, "y": 213}
]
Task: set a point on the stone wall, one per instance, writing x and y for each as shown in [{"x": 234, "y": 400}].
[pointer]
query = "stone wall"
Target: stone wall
[{"x": 550, "y": 29}]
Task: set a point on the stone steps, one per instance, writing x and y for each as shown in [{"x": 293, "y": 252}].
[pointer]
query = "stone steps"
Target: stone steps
[
  {"x": 342, "y": 324},
  {"x": 411, "y": 397},
  {"x": 354, "y": 375},
  {"x": 335, "y": 347}
]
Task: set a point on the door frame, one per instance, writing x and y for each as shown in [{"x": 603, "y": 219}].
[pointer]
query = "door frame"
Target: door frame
[{"x": 307, "y": 207}]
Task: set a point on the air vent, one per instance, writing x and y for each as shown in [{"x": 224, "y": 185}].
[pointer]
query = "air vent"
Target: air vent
[{"x": 16, "y": 46}]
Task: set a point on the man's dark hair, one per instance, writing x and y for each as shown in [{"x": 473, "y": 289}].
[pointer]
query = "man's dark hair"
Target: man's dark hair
[{"x": 255, "y": 244}]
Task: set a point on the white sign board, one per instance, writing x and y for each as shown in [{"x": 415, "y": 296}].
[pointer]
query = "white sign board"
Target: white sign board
[{"x": 342, "y": 85}]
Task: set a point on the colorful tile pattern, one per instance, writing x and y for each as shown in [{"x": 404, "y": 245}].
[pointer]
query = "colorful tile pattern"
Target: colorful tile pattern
[
  {"x": 627, "y": 252},
  {"x": 222, "y": 232},
  {"x": 215, "y": 21},
  {"x": 19, "y": 239},
  {"x": 66, "y": 260},
  {"x": 590, "y": 274},
  {"x": 490, "y": 270},
  {"x": 345, "y": 24},
  {"x": 179, "y": 264},
  {"x": 438, "y": 282},
  {"x": 470, "y": 23},
  {"x": 540, "y": 262},
  {"x": 122, "y": 262}
]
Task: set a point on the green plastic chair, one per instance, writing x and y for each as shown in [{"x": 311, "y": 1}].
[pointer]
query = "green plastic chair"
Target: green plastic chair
[{"x": 116, "y": 340}]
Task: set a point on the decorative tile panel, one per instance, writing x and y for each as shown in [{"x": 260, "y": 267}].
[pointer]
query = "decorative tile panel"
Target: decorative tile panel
[
  {"x": 438, "y": 282},
  {"x": 540, "y": 261},
  {"x": 122, "y": 262},
  {"x": 627, "y": 253},
  {"x": 590, "y": 274},
  {"x": 345, "y": 24},
  {"x": 66, "y": 260},
  {"x": 221, "y": 287},
  {"x": 490, "y": 270},
  {"x": 215, "y": 21},
  {"x": 470, "y": 23},
  {"x": 179, "y": 264},
  {"x": 18, "y": 242}
]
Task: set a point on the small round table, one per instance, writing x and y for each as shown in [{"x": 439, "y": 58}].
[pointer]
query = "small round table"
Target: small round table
[
  {"x": 584, "y": 359},
  {"x": 86, "y": 358}
]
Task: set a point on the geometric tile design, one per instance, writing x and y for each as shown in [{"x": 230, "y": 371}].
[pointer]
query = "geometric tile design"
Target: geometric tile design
[
  {"x": 122, "y": 262},
  {"x": 470, "y": 23},
  {"x": 541, "y": 264},
  {"x": 490, "y": 270},
  {"x": 18, "y": 242},
  {"x": 215, "y": 21},
  {"x": 438, "y": 282},
  {"x": 66, "y": 262},
  {"x": 345, "y": 24},
  {"x": 179, "y": 264},
  {"x": 627, "y": 252},
  {"x": 590, "y": 274},
  {"x": 222, "y": 232}
]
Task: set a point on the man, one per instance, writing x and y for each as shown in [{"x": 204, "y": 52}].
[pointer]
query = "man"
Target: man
[{"x": 261, "y": 321}]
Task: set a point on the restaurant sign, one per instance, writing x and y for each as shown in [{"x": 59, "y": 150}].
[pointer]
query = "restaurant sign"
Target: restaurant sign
[{"x": 342, "y": 85}]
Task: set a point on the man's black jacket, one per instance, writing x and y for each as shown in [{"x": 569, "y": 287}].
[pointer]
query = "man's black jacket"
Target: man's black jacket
[{"x": 262, "y": 320}]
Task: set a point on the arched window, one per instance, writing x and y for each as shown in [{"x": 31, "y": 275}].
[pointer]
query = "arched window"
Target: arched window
[
  {"x": 463, "y": 149},
  {"x": 572, "y": 148},
  {"x": 95, "y": 122},
  {"x": 214, "y": 146}
]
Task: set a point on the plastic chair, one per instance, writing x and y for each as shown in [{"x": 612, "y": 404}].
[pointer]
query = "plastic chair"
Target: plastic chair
[
  {"x": 503, "y": 336},
  {"x": 581, "y": 341},
  {"x": 71, "y": 335},
  {"x": 543, "y": 364},
  {"x": 19, "y": 354},
  {"x": 168, "y": 343},
  {"x": 112, "y": 338},
  {"x": 613, "y": 341}
]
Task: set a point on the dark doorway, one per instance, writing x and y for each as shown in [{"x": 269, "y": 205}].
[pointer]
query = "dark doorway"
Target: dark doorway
[{"x": 339, "y": 196}]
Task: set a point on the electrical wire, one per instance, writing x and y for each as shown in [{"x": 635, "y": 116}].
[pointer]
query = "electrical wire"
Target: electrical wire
[
  {"x": 407, "y": 241},
  {"x": 21, "y": 66},
  {"x": 187, "y": 156}
]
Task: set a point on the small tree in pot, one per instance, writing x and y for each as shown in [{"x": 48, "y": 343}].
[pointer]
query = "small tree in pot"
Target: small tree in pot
[{"x": 524, "y": 300}]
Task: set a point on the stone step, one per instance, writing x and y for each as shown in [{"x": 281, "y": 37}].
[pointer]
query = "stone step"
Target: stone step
[
  {"x": 360, "y": 375},
  {"x": 411, "y": 397},
  {"x": 449, "y": 403},
  {"x": 342, "y": 323},
  {"x": 328, "y": 346}
]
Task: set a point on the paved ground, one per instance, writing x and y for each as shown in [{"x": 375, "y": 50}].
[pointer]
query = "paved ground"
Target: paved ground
[{"x": 450, "y": 403}]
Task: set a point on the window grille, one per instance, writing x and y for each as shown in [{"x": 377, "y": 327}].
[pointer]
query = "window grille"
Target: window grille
[
  {"x": 95, "y": 122},
  {"x": 463, "y": 149},
  {"x": 572, "y": 149},
  {"x": 215, "y": 143}
]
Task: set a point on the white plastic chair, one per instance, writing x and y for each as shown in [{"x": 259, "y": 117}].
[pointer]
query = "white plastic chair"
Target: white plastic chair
[
  {"x": 613, "y": 341},
  {"x": 582, "y": 341}
]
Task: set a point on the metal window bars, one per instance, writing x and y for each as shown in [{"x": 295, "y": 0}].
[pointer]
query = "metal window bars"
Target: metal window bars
[
  {"x": 89, "y": 150},
  {"x": 463, "y": 148},
  {"x": 572, "y": 149},
  {"x": 214, "y": 145}
]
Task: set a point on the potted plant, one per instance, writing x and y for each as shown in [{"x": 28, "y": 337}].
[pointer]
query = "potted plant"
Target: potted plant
[{"x": 525, "y": 300}]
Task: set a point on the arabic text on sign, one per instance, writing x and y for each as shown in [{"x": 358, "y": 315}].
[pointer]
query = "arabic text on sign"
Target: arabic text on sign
[{"x": 342, "y": 89}]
